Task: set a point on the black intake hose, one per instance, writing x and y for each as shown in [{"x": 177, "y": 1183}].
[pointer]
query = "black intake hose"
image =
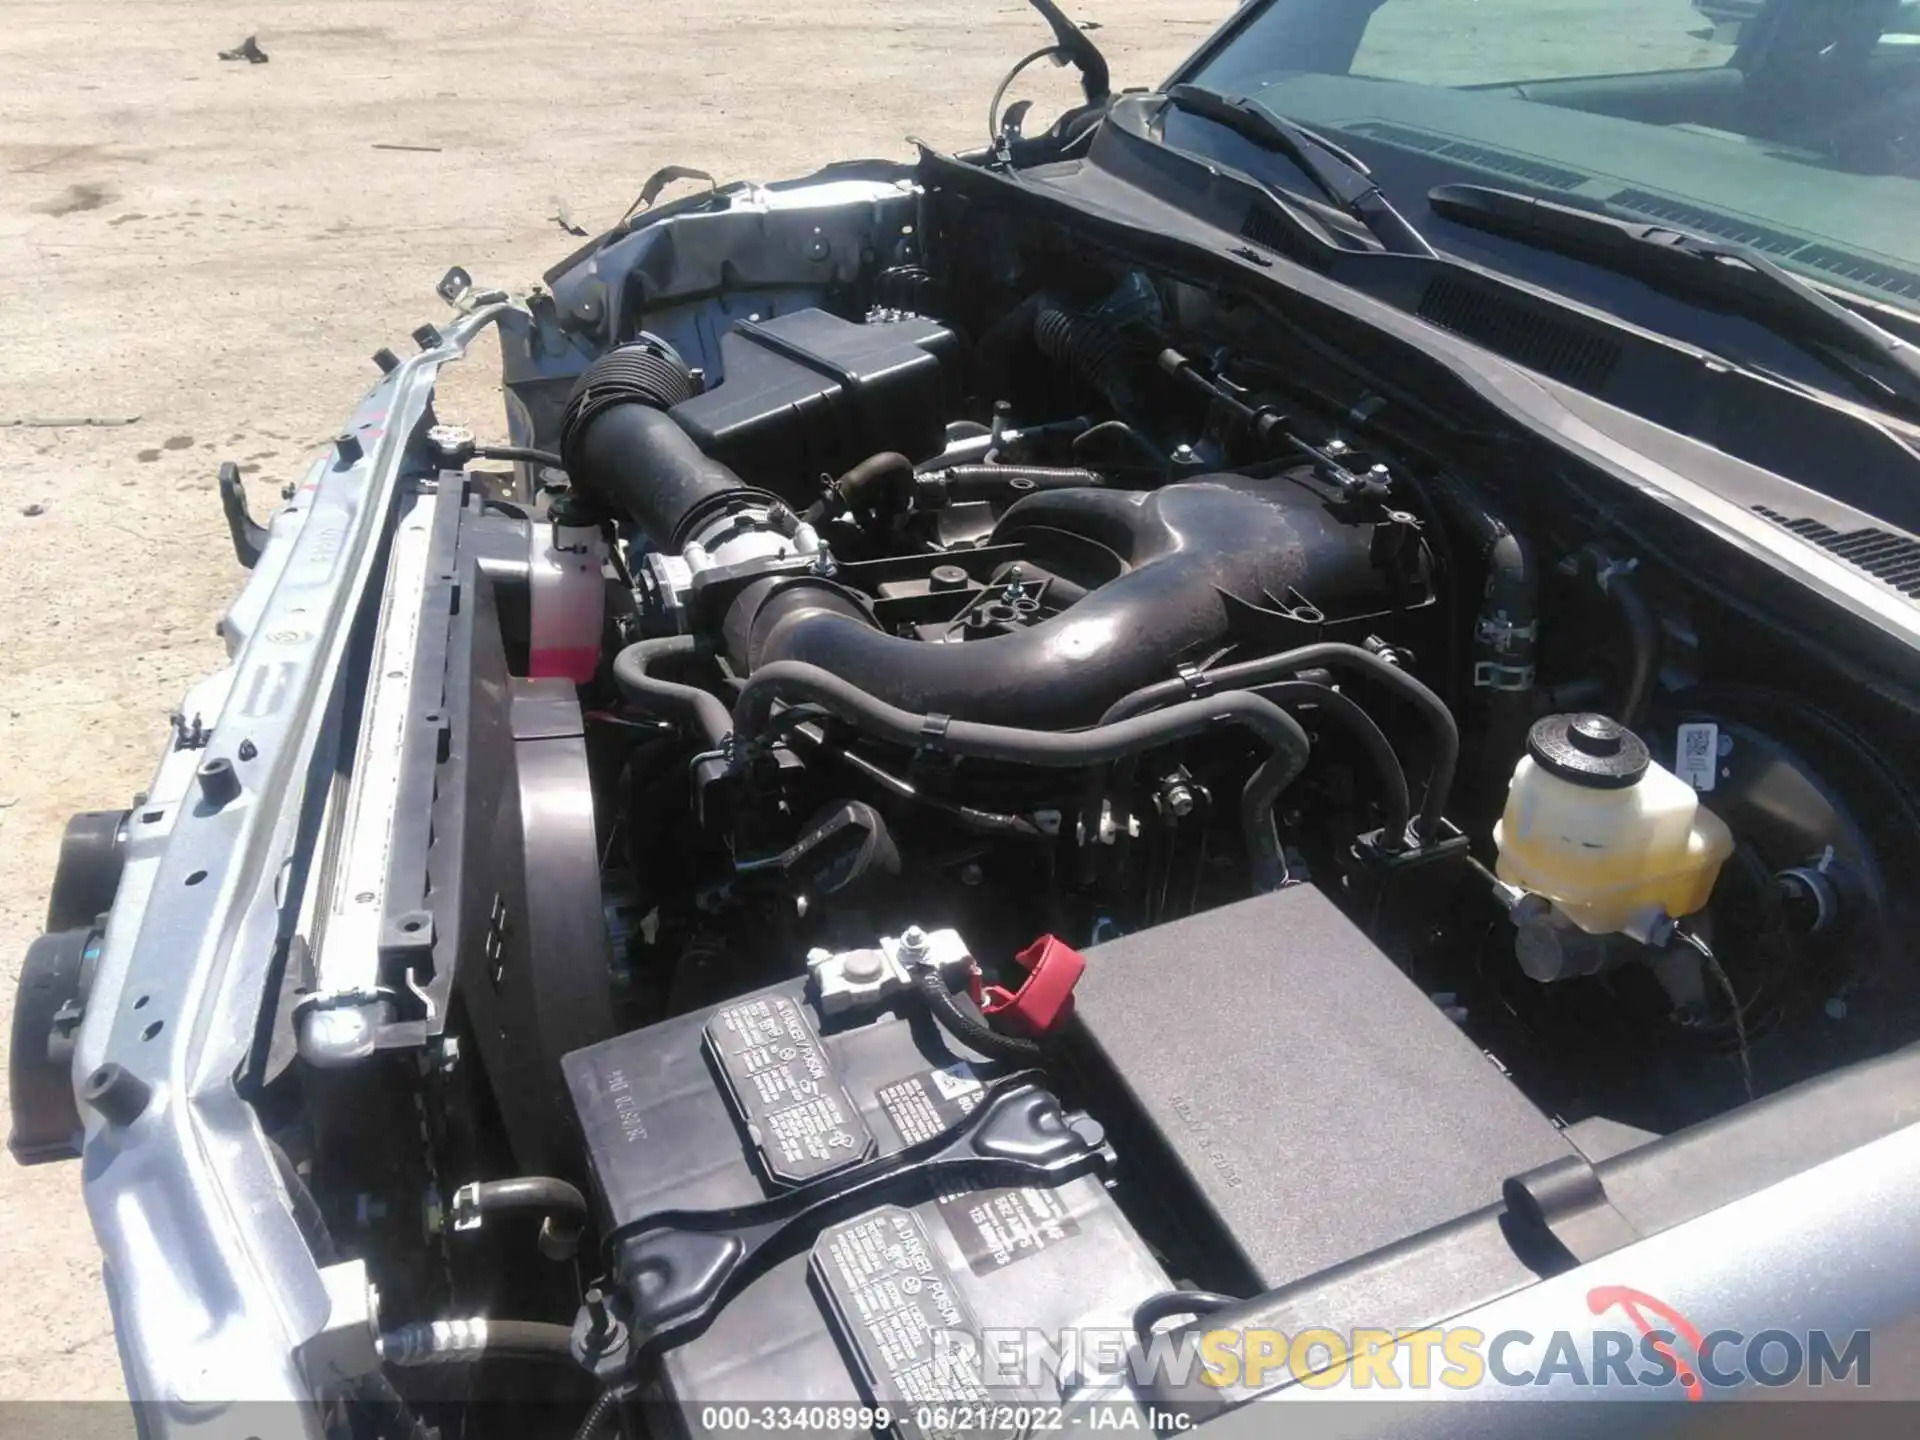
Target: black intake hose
[
  {"x": 791, "y": 680},
  {"x": 619, "y": 444},
  {"x": 686, "y": 705},
  {"x": 1246, "y": 674},
  {"x": 1183, "y": 564}
]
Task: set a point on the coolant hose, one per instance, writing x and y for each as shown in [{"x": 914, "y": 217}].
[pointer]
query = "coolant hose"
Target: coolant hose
[
  {"x": 1244, "y": 674},
  {"x": 686, "y": 705},
  {"x": 1395, "y": 797},
  {"x": 883, "y": 481},
  {"x": 967, "y": 1025},
  {"x": 1069, "y": 750},
  {"x": 561, "y": 1204},
  {"x": 456, "y": 1342}
]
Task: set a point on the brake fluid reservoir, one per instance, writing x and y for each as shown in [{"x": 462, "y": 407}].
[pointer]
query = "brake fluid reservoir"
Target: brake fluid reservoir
[
  {"x": 567, "y": 595},
  {"x": 1606, "y": 834}
]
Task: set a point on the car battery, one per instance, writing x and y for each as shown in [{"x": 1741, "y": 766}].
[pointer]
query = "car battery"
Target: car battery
[{"x": 894, "y": 1303}]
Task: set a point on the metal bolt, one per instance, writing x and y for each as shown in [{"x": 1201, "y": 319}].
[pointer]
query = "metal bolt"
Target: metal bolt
[
  {"x": 599, "y": 1320},
  {"x": 1836, "y": 1008},
  {"x": 1183, "y": 455},
  {"x": 913, "y": 941},
  {"x": 1178, "y": 798},
  {"x": 971, "y": 874}
]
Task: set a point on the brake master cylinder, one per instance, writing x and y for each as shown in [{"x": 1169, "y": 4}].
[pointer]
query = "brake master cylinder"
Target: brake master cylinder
[{"x": 1614, "y": 840}]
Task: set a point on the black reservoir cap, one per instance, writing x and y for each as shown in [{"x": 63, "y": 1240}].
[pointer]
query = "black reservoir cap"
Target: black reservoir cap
[{"x": 1590, "y": 750}]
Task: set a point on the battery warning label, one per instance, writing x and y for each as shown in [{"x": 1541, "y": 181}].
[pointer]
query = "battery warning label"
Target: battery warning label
[
  {"x": 996, "y": 1228},
  {"x": 924, "y": 1105},
  {"x": 892, "y": 1298},
  {"x": 784, "y": 1089}
]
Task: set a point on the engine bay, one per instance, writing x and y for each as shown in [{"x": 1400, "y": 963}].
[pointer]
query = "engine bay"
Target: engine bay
[{"x": 957, "y": 779}]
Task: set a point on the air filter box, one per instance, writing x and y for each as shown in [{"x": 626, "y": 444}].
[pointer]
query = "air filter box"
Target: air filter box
[{"x": 807, "y": 394}]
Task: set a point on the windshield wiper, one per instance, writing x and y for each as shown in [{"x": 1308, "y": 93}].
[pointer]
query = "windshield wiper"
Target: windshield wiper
[
  {"x": 1339, "y": 175},
  {"x": 1731, "y": 277}
]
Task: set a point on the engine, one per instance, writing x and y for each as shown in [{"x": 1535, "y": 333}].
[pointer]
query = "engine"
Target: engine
[{"x": 956, "y": 788}]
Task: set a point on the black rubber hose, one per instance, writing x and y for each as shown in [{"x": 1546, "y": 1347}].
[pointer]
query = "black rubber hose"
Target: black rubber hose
[
  {"x": 459, "y": 1342},
  {"x": 1248, "y": 673},
  {"x": 1168, "y": 1303},
  {"x": 685, "y": 705},
  {"x": 1070, "y": 750},
  {"x": 525, "y": 454},
  {"x": 543, "y": 1194},
  {"x": 1643, "y": 645},
  {"x": 968, "y": 1026},
  {"x": 562, "y": 1205},
  {"x": 879, "y": 482},
  {"x": 1392, "y": 776}
]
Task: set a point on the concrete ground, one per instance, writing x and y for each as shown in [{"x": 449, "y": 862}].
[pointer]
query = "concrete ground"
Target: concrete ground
[
  {"x": 217, "y": 248},
  {"x": 214, "y": 249}
]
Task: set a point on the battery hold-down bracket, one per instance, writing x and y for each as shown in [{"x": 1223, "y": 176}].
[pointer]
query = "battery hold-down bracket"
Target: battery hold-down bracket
[{"x": 675, "y": 1269}]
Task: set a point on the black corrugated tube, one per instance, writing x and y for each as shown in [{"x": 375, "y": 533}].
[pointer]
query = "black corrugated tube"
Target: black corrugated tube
[
  {"x": 619, "y": 444},
  {"x": 967, "y": 1025},
  {"x": 1061, "y": 750}
]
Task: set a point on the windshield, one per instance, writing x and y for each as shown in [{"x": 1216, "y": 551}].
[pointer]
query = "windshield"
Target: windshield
[{"x": 1792, "y": 126}]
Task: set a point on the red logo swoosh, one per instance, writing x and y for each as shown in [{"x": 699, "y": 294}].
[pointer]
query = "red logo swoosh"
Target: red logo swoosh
[{"x": 1637, "y": 1306}]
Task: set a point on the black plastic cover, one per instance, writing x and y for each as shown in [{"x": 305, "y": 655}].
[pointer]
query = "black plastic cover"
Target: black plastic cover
[
  {"x": 1319, "y": 1104},
  {"x": 808, "y": 394}
]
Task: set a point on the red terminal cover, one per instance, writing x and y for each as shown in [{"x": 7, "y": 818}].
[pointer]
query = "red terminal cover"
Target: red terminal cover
[{"x": 1045, "y": 999}]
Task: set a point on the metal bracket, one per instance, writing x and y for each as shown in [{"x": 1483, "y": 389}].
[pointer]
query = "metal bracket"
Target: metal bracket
[{"x": 692, "y": 1260}]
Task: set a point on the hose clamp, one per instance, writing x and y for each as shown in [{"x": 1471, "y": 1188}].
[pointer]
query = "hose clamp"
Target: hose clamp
[
  {"x": 464, "y": 1209},
  {"x": 1199, "y": 684}
]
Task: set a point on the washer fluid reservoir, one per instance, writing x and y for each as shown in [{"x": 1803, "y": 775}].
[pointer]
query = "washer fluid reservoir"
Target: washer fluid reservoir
[{"x": 1593, "y": 824}]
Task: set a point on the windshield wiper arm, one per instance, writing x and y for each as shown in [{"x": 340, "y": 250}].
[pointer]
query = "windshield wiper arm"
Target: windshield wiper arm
[
  {"x": 1735, "y": 277},
  {"x": 1343, "y": 178}
]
